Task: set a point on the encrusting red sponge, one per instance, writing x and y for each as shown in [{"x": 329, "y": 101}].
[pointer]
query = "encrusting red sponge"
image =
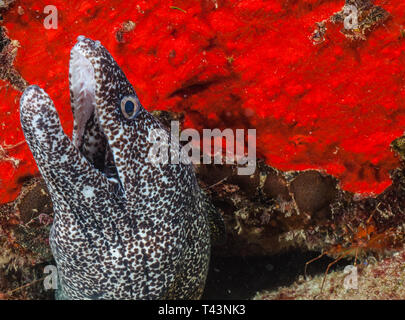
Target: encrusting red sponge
[{"x": 335, "y": 105}]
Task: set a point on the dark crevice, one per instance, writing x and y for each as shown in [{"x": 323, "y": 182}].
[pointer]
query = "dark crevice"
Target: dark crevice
[{"x": 192, "y": 89}]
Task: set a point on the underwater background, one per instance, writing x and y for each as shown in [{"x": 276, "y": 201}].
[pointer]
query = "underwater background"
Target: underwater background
[{"x": 326, "y": 103}]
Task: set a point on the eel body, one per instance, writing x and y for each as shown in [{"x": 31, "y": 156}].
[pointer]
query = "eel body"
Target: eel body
[{"x": 124, "y": 227}]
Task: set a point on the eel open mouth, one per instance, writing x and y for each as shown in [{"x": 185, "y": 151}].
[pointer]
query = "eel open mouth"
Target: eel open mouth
[
  {"x": 88, "y": 135},
  {"x": 82, "y": 90}
]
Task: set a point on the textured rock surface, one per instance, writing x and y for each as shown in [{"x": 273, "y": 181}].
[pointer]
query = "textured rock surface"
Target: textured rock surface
[{"x": 384, "y": 280}]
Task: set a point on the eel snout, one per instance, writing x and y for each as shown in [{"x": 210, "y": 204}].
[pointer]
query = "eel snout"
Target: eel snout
[{"x": 39, "y": 119}]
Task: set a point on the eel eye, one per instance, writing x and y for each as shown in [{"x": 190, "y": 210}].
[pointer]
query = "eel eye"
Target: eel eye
[{"x": 130, "y": 107}]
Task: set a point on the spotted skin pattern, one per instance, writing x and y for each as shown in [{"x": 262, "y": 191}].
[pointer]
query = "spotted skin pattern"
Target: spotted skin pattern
[{"x": 124, "y": 228}]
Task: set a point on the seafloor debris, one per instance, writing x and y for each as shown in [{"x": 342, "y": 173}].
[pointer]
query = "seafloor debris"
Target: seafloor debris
[
  {"x": 318, "y": 36},
  {"x": 358, "y": 17},
  {"x": 399, "y": 147},
  {"x": 8, "y": 52},
  {"x": 5, "y": 4},
  {"x": 125, "y": 27},
  {"x": 4, "y": 156},
  {"x": 383, "y": 280},
  {"x": 23, "y": 227},
  {"x": 24, "y": 243}
]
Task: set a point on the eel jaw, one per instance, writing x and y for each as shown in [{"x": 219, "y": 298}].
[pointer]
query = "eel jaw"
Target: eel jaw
[
  {"x": 88, "y": 135},
  {"x": 82, "y": 91}
]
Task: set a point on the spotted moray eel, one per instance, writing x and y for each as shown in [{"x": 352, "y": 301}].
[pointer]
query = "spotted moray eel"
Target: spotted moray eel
[{"x": 124, "y": 227}]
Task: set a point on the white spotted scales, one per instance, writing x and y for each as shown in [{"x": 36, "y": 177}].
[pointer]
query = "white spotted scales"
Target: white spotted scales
[{"x": 123, "y": 228}]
